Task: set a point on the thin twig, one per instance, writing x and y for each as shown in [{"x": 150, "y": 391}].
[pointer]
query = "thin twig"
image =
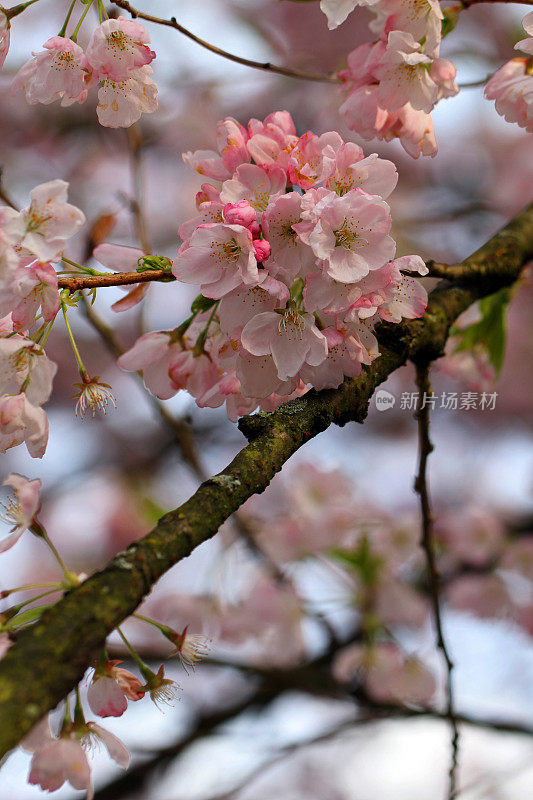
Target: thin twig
[
  {"x": 136, "y": 144},
  {"x": 266, "y": 66},
  {"x": 76, "y": 282},
  {"x": 421, "y": 487}
]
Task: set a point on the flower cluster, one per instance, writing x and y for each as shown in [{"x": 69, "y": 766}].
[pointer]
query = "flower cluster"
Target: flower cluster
[
  {"x": 117, "y": 59},
  {"x": 293, "y": 253},
  {"x": 31, "y": 241},
  {"x": 511, "y": 87},
  {"x": 393, "y": 84}
]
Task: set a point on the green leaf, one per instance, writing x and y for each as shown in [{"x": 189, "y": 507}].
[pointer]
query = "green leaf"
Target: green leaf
[
  {"x": 361, "y": 560},
  {"x": 202, "y": 303},
  {"x": 489, "y": 332},
  {"x": 31, "y": 615}
]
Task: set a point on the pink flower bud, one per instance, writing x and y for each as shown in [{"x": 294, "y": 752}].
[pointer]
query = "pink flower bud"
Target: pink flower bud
[
  {"x": 240, "y": 213},
  {"x": 255, "y": 230},
  {"x": 262, "y": 249}
]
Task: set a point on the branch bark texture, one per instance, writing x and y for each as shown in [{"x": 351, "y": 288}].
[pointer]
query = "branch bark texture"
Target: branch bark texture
[{"x": 50, "y": 657}]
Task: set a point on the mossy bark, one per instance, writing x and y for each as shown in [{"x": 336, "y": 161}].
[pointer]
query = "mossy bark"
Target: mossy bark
[{"x": 49, "y": 658}]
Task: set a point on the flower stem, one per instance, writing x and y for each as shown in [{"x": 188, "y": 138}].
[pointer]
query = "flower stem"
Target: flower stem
[
  {"x": 138, "y": 660},
  {"x": 15, "y": 10},
  {"x": 81, "y": 365},
  {"x": 38, "y": 530},
  {"x": 67, "y": 19},
  {"x": 74, "y": 34},
  {"x": 163, "y": 628}
]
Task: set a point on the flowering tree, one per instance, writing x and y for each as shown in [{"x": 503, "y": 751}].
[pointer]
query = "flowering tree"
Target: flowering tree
[{"x": 305, "y": 304}]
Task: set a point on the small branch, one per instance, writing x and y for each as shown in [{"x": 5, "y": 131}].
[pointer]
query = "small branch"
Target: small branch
[
  {"x": 141, "y": 227},
  {"x": 266, "y": 66},
  {"x": 421, "y": 487},
  {"x": 77, "y": 282}
]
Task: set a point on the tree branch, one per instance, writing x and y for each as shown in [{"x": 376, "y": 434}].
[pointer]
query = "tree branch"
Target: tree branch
[
  {"x": 425, "y": 447},
  {"x": 77, "y": 282},
  {"x": 266, "y": 66},
  {"x": 50, "y": 657}
]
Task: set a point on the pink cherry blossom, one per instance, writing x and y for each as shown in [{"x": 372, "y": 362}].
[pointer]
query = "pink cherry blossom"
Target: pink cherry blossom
[
  {"x": 43, "y": 228},
  {"x": 421, "y": 18},
  {"x": 338, "y": 10},
  {"x": 258, "y": 377},
  {"x": 59, "y": 761},
  {"x": 20, "y": 511},
  {"x": 156, "y": 354},
  {"x": 231, "y": 143},
  {"x": 526, "y": 45},
  {"x": 4, "y": 37},
  {"x": 443, "y": 72},
  {"x": 352, "y": 171},
  {"x": 220, "y": 257},
  {"x": 111, "y": 688},
  {"x": 290, "y": 256},
  {"x": 403, "y": 75},
  {"x": 60, "y": 72},
  {"x": 121, "y": 103},
  {"x": 252, "y": 183},
  {"x": 512, "y": 89},
  {"x": 122, "y": 259},
  {"x": 291, "y": 337},
  {"x": 118, "y": 47},
  {"x": 272, "y": 140},
  {"x": 23, "y": 363},
  {"x": 241, "y": 213},
  {"x": 351, "y": 235},
  {"x": 20, "y": 421},
  {"x": 311, "y": 158},
  {"x": 242, "y": 304},
  {"x": 36, "y": 289},
  {"x": 207, "y": 162},
  {"x": 349, "y": 346}
]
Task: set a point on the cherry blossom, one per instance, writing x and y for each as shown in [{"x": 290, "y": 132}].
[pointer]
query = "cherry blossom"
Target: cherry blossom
[
  {"x": 21, "y": 421},
  {"x": 526, "y": 45},
  {"x": 272, "y": 140},
  {"x": 351, "y": 235},
  {"x": 60, "y": 72},
  {"x": 292, "y": 339},
  {"x": 43, "y": 228},
  {"x": 118, "y": 47},
  {"x": 338, "y": 10},
  {"x": 110, "y": 689},
  {"x": 35, "y": 288},
  {"x": 290, "y": 256},
  {"x": 352, "y": 171},
  {"x": 252, "y": 183},
  {"x": 122, "y": 102},
  {"x": 404, "y": 76},
  {"x": 156, "y": 354},
  {"x": 512, "y": 89},
  {"x": 20, "y": 511},
  {"x": 24, "y": 364},
  {"x": 421, "y": 18},
  {"x": 218, "y": 256}
]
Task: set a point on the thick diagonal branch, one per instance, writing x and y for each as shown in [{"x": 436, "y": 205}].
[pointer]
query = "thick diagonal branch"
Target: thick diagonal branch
[{"x": 50, "y": 658}]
